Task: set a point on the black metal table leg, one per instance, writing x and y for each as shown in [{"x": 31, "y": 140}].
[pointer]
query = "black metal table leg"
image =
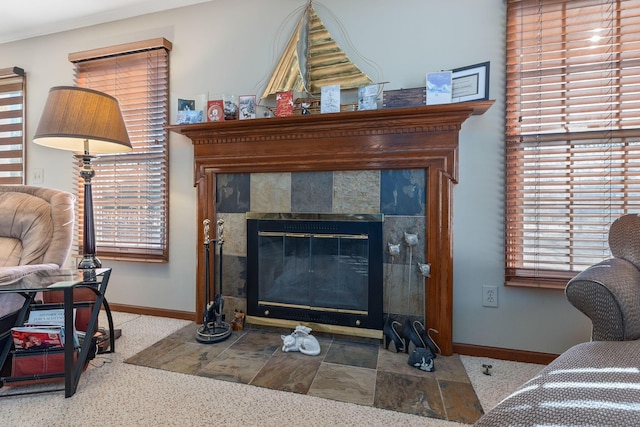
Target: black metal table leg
[
  {"x": 69, "y": 386},
  {"x": 112, "y": 331}
]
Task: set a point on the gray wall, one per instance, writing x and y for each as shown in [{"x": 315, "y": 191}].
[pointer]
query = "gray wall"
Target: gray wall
[{"x": 230, "y": 46}]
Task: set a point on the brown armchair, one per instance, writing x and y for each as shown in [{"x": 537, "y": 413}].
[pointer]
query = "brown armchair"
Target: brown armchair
[{"x": 36, "y": 231}]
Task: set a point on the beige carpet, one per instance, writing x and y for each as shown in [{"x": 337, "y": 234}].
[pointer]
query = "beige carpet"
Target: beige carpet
[{"x": 116, "y": 393}]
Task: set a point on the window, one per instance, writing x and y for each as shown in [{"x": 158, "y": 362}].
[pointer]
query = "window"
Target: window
[
  {"x": 572, "y": 133},
  {"x": 130, "y": 190},
  {"x": 12, "y": 98}
]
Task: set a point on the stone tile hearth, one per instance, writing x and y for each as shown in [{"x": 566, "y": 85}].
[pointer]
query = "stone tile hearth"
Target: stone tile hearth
[{"x": 358, "y": 371}]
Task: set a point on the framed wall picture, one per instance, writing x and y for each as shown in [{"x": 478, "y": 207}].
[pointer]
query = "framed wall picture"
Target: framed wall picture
[{"x": 470, "y": 83}]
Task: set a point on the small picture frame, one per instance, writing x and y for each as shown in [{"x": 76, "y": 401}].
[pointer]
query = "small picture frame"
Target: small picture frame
[
  {"x": 215, "y": 110},
  {"x": 188, "y": 109},
  {"x": 284, "y": 104},
  {"x": 470, "y": 83},
  {"x": 439, "y": 88},
  {"x": 330, "y": 99},
  {"x": 187, "y": 112},
  {"x": 246, "y": 107}
]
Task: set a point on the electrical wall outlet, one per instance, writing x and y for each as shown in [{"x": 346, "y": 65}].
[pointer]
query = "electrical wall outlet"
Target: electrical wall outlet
[
  {"x": 37, "y": 177},
  {"x": 489, "y": 296}
]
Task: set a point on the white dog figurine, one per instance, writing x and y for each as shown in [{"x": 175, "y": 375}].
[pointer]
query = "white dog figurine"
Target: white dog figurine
[{"x": 301, "y": 340}]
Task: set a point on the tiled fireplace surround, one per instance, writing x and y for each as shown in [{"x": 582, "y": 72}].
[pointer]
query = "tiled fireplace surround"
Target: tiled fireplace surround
[
  {"x": 401, "y": 161},
  {"x": 398, "y": 194}
]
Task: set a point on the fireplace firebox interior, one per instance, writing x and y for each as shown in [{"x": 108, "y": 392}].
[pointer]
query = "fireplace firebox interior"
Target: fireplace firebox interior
[{"x": 317, "y": 268}]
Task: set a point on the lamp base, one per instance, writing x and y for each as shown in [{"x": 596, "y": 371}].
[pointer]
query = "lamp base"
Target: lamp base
[{"x": 89, "y": 261}]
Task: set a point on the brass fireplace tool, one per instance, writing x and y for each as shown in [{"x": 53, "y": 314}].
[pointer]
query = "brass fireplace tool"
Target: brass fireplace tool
[{"x": 214, "y": 328}]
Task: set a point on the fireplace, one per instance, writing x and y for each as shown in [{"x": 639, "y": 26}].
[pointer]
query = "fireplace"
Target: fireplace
[
  {"x": 424, "y": 137},
  {"x": 316, "y": 268}
]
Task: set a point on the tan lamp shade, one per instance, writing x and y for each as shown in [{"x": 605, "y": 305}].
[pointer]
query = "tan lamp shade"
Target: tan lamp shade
[{"x": 82, "y": 120}]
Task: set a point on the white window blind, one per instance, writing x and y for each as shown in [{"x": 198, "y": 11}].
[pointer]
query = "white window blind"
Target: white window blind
[
  {"x": 12, "y": 125},
  {"x": 130, "y": 190},
  {"x": 572, "y": 133}
]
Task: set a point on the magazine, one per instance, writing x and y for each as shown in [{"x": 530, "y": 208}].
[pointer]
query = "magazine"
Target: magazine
[
  {"x": 44, "y": 329},
  {"x": 48, "y": 317},
  {"x": 37, "y": 338}
]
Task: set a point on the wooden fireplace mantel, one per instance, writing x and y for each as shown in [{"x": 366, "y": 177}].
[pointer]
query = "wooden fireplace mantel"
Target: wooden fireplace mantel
[{"x": 423, "y": 137}]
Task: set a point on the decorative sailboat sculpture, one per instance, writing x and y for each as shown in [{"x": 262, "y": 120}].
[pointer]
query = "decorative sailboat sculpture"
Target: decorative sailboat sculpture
[{"x": 313, "y": 59}]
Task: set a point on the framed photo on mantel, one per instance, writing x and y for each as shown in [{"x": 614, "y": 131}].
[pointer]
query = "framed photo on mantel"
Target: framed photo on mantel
[
  {"x": 215, "y": 110},
  {"x": 470, "y": 83},
  {"x": 247, "y": 107},
  {"x": 439, "y": 88}
]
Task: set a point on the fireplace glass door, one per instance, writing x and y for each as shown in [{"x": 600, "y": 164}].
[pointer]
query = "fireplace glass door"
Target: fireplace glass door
[
  {"x": 317, "y": 268},
  {"x": 320, "y": 271}
]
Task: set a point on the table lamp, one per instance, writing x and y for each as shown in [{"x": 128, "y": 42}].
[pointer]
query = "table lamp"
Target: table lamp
[{"x": 87, "y": 122}]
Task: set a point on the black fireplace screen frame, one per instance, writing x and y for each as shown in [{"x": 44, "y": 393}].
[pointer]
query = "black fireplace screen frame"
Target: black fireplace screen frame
[{"x": 368, "y": 226}]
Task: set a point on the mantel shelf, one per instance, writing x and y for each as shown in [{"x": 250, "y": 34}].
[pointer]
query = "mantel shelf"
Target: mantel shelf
[
  {"x": 429, "y": 115},
  {"x": 424, "y": 137}
]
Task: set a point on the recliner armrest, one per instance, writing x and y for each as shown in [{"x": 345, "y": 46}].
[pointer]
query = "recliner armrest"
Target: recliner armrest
[
  {"x": 13, "y": 273},
  {"x": 9, "y": 302},
  {"x": 609, "y": 294}
]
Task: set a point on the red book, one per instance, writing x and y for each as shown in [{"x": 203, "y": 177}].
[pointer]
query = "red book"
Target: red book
[
  {"x": 215, "y": 110},
  {"x": 284, "y": 104}
]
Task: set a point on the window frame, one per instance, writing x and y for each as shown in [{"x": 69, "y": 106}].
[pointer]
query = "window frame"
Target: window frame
[
  {"x": 13, "y": 80},
  {"x": 599, "y": 153},
  {"x": 130, "y": 190}
]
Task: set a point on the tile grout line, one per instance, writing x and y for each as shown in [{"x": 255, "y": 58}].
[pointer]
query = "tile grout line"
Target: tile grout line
[
  {"x": 315, "y": 376},
  {"x": 263, "y": 365},
  {"x": 444, "y": 404}
]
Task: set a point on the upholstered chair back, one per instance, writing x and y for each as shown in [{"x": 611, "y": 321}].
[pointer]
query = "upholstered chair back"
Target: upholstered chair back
[
  {"x": 624, "y": 238},
  {"x": 36, "y": 225},
  {"x": 608, "y": 292}
]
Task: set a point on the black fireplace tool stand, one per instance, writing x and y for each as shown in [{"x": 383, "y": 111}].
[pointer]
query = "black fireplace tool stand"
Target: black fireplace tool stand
[{"x": 214, "y": 329}]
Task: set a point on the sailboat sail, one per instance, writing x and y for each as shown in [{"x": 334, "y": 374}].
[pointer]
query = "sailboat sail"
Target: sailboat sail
[{"x": 312, "y": 59}]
